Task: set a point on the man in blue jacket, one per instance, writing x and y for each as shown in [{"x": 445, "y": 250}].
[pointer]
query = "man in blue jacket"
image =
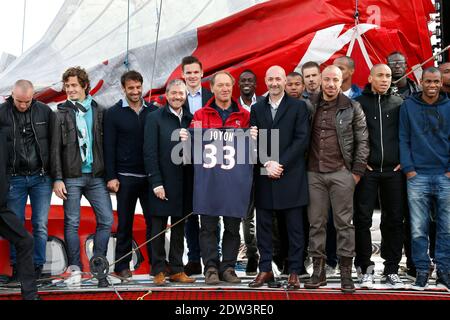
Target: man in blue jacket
[{"x": 425, "y": 159}]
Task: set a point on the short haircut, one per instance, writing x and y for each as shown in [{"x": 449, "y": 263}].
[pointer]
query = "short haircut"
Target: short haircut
[
  {"x": 248, "y": 71},
  {"x": 349, "y": 60},
  {"x": 131, "y": 75},
  {"x": 213, "y": 78},
  {"x": 295, "y": 74},
  {"x": 431, "y": 70},
  {"x": 23, "y": 84},
  {"x": 190, "y": 60},
  {"x": 81, "y": 74},
  {"x": 372, "y": 70},
  {"x": 175, "y": 82},
  {"x": 310, "y": 64}
]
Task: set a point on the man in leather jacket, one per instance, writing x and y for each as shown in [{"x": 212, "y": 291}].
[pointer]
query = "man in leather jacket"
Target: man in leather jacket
[{"x": 26, "y": 123}]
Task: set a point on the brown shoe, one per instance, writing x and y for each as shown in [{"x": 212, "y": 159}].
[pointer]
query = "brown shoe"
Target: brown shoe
[
  {"x": 212, "y": 276},
  {"x": 230, "y": 276},
  {"x": 181, "y": 277},
  {"x": 261, "y": 279},
  {"x": 160, "y": 279},
  {"x": 293, "y": 281},
  {"x": 345, "y": 265},
  {"x": 126, "y": 273}
]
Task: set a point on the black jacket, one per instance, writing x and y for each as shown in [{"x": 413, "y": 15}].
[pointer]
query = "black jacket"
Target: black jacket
[
  {"x": 40, "y": 122},
  {"x": 4, "y": 183},
  {"x": 382, "y": 116},
  {"x": 124, "y": 140},
  {"x": 65, "y": 152},
  {"x": 351, "y": 130},
  {"x": 291, "y": 121},
  {"x": 176, "y": 179},
  {"x": 206, "y": 95}
]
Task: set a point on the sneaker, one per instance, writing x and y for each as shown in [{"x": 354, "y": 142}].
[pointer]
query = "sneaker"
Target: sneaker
[
  {"x": 359, "y": 273},
  {"x": 394, "y": 281},
  {"x": 443, "y": 281},
  {"x": 75, "y": 276},
  {"x": 366, "y": 281},
  {"x": 330, "y": 271},
  {"x": 252, "y": 266},
  {"x": 421, "y": 281}
]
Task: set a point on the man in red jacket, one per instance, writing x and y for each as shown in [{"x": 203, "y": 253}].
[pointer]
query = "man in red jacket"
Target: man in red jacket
[{"x": 221, "y": 111}]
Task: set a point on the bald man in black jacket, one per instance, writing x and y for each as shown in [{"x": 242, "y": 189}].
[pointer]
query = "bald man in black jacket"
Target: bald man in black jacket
[{"x": 14, "y": 231}]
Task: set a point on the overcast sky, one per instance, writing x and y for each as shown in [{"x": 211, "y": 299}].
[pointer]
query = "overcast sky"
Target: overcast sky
[{"x": 39, "y": 16}]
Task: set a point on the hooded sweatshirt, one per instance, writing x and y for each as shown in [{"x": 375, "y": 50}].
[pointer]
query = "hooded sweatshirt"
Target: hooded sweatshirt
[{"x": 425, "y": 135}]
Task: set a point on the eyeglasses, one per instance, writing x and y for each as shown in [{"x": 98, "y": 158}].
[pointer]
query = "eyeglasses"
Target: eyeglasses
[{"x": 394, "y": 63}]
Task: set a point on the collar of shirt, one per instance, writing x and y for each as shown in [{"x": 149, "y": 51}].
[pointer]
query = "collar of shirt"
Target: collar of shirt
[
  {"x": 348, "y": 93},
  {"x": 126, "y": 104},
  {"x": 275, "y": 104},
  {"x": 245, "y": 105},
  {"x": 198, "y": 93},
  {"x": 179, "y": 116}
]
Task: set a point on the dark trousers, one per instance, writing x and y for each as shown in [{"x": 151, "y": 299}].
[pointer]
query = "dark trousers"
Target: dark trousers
[
  {"x": 192, "y": 231},
  {"x": 231, "y": 241},
  {"x": 390, "y": 188},
  {"x": 281, "y": 240},
  {"x": 248, "y": 224},
  {"x": 294, "y": 230},
  {"x": 176, "y": 248},
  {"x": 130, "y": 190},
  {"x": 12, "y": 229}
]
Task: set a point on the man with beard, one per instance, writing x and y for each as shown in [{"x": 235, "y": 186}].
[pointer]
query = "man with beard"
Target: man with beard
[
  {"x": 337, "y": 159},
  {"x": 124, "y": 163}
]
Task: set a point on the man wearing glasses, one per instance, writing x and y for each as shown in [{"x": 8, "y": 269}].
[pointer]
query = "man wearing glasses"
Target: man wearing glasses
[{"x": 398, "y": 64}]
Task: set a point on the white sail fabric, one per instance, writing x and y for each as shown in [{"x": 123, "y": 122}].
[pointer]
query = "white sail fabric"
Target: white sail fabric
[{"x": 89, "y": 32}]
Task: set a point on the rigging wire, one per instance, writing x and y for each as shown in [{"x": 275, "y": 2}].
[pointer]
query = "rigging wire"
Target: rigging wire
[
  {"x": 158, "y": 21},
  {"x": 127, "y": 62}
]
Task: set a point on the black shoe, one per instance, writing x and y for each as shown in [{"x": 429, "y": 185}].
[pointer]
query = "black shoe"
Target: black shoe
[
  {"x": 103, "y": 283},
  {"x": 38, "y": 271},
  {"x": 192, "y": 268},
  {"x": 252, "y": 266},
  {"x": 421, "y": 281},
  {"x": 411, "y": 273},
  {"x": 443, "y": 280},
  {"x": 13, "y": 277}
]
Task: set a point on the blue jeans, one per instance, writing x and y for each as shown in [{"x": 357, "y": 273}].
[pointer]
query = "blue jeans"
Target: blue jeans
[
  {"x": 94, "y": 189},
  {"x": 39, "y": 188},
  {"x": 422, "y": 190}
]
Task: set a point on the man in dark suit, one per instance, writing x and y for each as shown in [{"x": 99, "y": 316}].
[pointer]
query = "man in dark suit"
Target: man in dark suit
[
  {"x": 13, "y": 230},
  {"x": 171, "y": 183},
  {"x": 196, "y": 97},
  {"x": 124, "y": 163},
  {"x": 281, "y": 184},
  {"x": 248, "y": 97}
]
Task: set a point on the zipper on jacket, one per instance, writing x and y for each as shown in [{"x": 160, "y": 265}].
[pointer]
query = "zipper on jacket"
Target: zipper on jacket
[
  {"x": 37, "y": 141},
  {"x": 381, "y": 133},
  {"x": 14, "y": 143}
]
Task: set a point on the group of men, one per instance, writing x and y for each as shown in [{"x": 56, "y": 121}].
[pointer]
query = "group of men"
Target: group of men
[{"x": 340, "y": 149}]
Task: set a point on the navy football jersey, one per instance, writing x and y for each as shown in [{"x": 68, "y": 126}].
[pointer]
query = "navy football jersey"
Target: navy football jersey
[{"x": 223, "y": 171}]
